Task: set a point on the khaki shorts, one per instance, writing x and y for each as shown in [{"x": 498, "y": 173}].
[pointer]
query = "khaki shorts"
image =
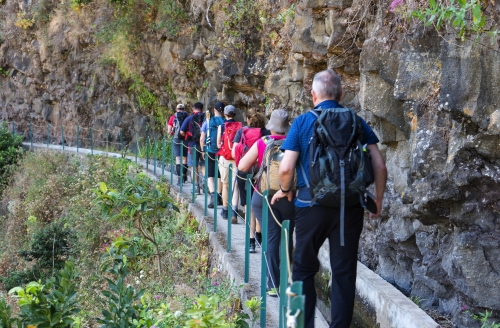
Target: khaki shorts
[{"x": 224, "y": 169}]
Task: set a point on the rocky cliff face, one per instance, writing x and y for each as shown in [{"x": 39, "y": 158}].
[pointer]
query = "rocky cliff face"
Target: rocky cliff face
[{"x": 433, "y": 101}]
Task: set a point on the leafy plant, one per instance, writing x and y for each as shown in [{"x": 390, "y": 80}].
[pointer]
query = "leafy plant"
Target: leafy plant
[
  {"x": 206, "y": 313},
  {"x": 254, "y": 305},
  {"x": 120, "y": 299},
  {"x": 141, "y": 202},
  {"x": 456, "y": 14},
  {"x": 23, "y": 21},
  {"x": 51, "y": 305},
  {"x": 484, "y": 318},
  {"x": 10, "y": 152},
  {"x": 6, "y": 318}
]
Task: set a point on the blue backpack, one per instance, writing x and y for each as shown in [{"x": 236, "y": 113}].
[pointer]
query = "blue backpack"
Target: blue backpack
[{"x": 211, "y": 139}]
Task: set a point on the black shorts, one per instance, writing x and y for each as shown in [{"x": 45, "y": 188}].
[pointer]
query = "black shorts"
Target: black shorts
[
  {"x": 211, "y": 165},
  {"x": 242, "y": 187}
]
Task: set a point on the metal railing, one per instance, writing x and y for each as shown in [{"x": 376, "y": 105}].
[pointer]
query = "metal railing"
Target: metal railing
[{"x": 291, "y": 300}]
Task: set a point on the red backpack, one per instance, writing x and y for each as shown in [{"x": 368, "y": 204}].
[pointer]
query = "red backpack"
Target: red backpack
[
  {"x": 249, "y": 136},
  {"x": 230, "y": 129}
]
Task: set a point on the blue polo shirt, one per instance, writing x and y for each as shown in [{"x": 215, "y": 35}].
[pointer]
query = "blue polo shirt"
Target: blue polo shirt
[{"x": 298, "y": 139}]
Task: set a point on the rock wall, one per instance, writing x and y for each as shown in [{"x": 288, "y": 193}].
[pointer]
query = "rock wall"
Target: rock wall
[{"x": 433, "y": 100}]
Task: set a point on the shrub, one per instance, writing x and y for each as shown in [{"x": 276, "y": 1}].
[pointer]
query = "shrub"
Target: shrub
[
  {"x": 49, "y": 248},
  {"x": 53, "y": 304},
  {"x": 10, "y": 152}
]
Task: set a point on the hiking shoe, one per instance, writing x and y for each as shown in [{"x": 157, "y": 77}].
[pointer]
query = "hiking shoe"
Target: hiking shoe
[
  {"x": 223, "y": 214},
  {"x": 272, "y": 292},
  {"x": 219, "y": 200},
  {"x": 234, "y": 218},
  {"x": 211, "y": 201},
  {"x": 252, "y": 246}
]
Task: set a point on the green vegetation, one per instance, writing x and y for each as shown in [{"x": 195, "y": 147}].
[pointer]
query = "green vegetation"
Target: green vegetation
[
  {"x": 455, "y": 14},
  {"x": 467, "y": 17},
  {"x": 484, "y": 318},
  {"x": 55, "y": 211},
  {"x": 10, "y": 151}
]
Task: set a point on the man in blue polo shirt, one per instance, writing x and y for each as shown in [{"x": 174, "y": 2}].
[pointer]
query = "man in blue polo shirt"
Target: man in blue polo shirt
[{"x": 315, "y": 224}]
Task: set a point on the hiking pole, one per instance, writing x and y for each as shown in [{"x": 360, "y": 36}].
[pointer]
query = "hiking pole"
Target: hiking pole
[{"x": 62, "y": 136}]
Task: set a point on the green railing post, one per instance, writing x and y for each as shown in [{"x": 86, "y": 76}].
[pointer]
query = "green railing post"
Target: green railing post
[
  {"x": 62, "y": 136},
  {"x": 193, "y": 173},
  {"x": 136, "y": 146},
  {"x": 13, "y": 130},
  {"x": 91, "y": 142},
  {"x": 285, "y": 236},
  {"x": 172, "y": 163},
  {"x": 77, "y": 138},
  {"x": 216, "y": 190},
  {"x": 181, "y": 171},
  {"x": 297, "y": 303},
  {"x": 154, "y": 156},
  {"x": 263, "y": 270},
  {"x": 248, "y": 215},
  {"x": 163, "y": 154},
  {"x": 121, "y": 140},
  {"x": 147, "y": 152},
  {"x": 205, "y": 185},
  {"x": 229, "y": 207},
  {"x": 31, "y": 136},
  {"x": 48, "y": 134}
]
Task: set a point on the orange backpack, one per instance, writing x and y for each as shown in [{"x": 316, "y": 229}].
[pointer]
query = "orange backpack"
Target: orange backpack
[{"x": 230, "y": 129}]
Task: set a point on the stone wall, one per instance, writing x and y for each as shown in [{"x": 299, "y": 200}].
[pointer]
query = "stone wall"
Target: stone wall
[{"x": 432, "y": 100}]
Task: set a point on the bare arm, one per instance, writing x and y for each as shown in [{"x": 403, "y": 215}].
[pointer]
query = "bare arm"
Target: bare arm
[
  {"x": 219, "y": 136},
  {"x": 203, "y": 135},
  {"x": 287, "y": 168},
  {"x": 233, "y": 150},
  {"x": 169, "y": 129},
  {"x": 247, "y": 161},
  {"x": 380, "y": 172}
]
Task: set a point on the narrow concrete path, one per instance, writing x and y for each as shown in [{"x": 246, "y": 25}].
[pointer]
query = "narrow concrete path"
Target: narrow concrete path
[
  {"x": 386, "y": 305},
  {"x": 232, "y": 262}
]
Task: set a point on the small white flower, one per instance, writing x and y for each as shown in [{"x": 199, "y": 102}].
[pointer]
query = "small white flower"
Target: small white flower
[
  {"x": 141, "y": 276},
  {"x": 177, "y": 314},
  {"x": 137, "y": 282}
]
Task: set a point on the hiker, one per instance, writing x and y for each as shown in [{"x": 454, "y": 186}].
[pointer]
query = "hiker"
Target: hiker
[
  {"x": 191, "y": 129},
  {"x": 315, "y": 223},
  {"x": 208, "y": 142},
  {"x": 283, "y": 209},
  {"x": 244, "y": 139},
  {"x": 225, "y": 137},
  {"x": 174, "y": 129}
]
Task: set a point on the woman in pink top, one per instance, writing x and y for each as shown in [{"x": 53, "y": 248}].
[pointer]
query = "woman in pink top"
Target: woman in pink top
[{"x": 283, "y": 210}]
